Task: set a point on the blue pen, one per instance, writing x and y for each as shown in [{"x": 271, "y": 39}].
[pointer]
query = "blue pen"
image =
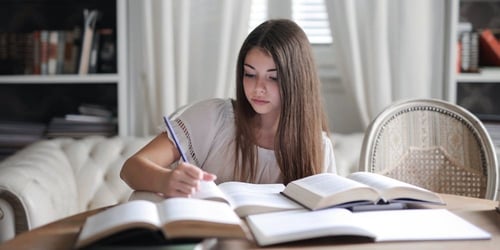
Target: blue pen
[{"x": 176, "y": 141}]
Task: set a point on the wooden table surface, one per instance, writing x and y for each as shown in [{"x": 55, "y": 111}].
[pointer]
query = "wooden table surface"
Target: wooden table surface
[{"x": 62, "y": 234}]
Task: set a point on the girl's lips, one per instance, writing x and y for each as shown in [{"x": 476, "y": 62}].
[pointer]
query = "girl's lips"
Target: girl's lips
[{"x": 259, "y": 101}]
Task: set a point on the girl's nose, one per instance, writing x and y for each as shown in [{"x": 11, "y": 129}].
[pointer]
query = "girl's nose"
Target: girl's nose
[{"x": 260, "y": 86}]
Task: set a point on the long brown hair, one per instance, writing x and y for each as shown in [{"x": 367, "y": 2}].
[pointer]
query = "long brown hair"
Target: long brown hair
[{"x": 298, "y": 142}]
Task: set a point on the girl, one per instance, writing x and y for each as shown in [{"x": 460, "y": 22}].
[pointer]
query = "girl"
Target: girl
[{"x": 275, "y": 131}]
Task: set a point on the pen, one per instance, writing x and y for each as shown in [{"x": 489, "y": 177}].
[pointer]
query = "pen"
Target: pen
[{"x": 176, "y": 141}]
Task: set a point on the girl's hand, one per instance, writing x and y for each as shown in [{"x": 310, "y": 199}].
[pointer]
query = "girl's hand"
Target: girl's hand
[{"x": 184, "y": 180}]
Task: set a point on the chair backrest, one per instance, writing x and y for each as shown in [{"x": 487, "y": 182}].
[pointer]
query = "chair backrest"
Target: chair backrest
[{"x": 433, "y": 144}]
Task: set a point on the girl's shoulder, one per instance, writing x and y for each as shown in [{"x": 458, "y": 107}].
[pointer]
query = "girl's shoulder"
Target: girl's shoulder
[
  {"x": 209, "y": 112},
  {"x": 214, "y": 106}
]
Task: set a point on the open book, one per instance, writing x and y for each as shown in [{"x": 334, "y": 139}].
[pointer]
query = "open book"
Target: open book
[
  {"x": 358, "y": 191},
  {"x": 360, "y": 188},
  {"x": 378, "y": 226},
  {"x": 175, "y": 218},
  {"x": 244, "y": 198}
]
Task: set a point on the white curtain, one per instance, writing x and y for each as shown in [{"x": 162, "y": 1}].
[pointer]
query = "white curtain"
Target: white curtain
[
  {"x": 388, "y": 50},
  {"x": 181, "y": 52}
]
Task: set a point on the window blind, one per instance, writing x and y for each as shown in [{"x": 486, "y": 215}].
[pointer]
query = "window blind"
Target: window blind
[{"x": 311, "y": 15}]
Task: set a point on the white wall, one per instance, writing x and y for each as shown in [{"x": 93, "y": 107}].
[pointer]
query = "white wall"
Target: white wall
[
  {"x": 340, "y": 104},
  {"x": 340, "y": 107}
]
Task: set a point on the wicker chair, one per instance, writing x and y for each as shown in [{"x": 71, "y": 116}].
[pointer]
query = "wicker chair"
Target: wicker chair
[{"x": 432, "y": 144}]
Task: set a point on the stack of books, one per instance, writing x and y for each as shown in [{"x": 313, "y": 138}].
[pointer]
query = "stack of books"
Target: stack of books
[
  {"x": 15, "y": 135},
  {"x": 91, "y": 120}
]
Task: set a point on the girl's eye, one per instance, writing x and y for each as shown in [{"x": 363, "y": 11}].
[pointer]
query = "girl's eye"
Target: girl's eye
[
  {"x": 274, "y": 78},
  {"x": 249, "y": 75}
]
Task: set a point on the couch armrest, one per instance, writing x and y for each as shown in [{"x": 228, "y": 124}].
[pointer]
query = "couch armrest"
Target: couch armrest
[
  {"x": 12, "y": 216},
  {"x": 38, "y": 180}
]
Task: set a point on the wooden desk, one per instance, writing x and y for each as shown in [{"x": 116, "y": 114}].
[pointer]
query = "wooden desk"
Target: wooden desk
[{"x": 62, "y": 234}]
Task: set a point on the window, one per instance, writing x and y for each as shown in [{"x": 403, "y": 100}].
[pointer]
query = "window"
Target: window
[{"x": 311, "y": 15}]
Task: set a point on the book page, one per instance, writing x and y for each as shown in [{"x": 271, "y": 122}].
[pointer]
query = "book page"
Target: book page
[
  {"x": 326, "y": 189},
  {"x": 391, "y": 189},
  {"x": 210, "y": 191},
  {"x": 186, "y": 217},
  {"x": 132, "y": 214},
  {"x": 248, "y": 198},
  {"x": 287, "y": 226},
  {"x": 419, "y": 224},
  {"x": 174, "y": 209}
]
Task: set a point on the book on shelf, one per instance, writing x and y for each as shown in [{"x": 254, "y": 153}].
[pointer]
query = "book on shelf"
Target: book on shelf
[
  {"x": 107, "y": 52},
  {"x": 462, "y": 28},
  {"x": 175, "y": 218},
  {"x": 90, "y": 20},
  {"x": 243, "y": 198},
  {"x": 88, "y": 118},
  {"x": 15, "y": 135},
  {"x": 359, "y": 191},
  {"x": 94, "y": 51},
  {"x": 62, "y": 126},
  {"x": 489, "y": 48},
  {"x": 52, "y": 52},
  {"x": 94, "y": 109},
  {"x": 376, "y": 226},
  {"x": 469, "y": 53},
  {"x": 44, "y": 52},
  {"x": 36, "y": 52}
]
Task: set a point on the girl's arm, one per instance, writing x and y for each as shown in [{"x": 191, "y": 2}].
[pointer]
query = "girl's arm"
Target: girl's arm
[{"x": 147, "y": 170}]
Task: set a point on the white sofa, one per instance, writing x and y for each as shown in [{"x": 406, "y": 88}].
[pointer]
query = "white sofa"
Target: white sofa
[{"x": 52, "y": 179}]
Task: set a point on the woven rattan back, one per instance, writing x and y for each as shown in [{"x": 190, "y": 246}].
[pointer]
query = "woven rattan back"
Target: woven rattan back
[{"x": 432, "y": 144}]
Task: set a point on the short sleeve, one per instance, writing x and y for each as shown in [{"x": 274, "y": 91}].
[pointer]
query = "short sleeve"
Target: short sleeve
[
  {"x": 197, "y": 125},
  {"x": 329, "y": 157}
]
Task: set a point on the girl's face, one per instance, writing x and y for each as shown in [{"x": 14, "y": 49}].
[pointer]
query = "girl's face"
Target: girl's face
[{"x": 260, "y": 83}]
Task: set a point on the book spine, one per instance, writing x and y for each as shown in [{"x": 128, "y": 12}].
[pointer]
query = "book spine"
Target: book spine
[
  {"x": 469, "y": 52},
  {"x": 93, "y": 60},
  {"x": 88, "y": 36},
  {"x": 44, "y": 52},
  {"x": 68, "y": 53},
  {"x": 52, "y": 54},
  {"x": 36, "y": 52},
  {"x": 61, "y": 44},
  {"x": 4, "y": 52},
  {"x": 107, "y": 52}
]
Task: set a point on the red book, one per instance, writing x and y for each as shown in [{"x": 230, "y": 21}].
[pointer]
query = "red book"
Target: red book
[
  {"x": 489, "y": 49},
  {"x": 36, "y": 52}
]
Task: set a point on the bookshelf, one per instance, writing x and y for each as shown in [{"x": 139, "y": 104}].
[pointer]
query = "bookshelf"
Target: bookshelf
[
  {"x": 473, "y": 12},
  {"x": 476, "y": 91},
  {"x": 31, "y": 96}
]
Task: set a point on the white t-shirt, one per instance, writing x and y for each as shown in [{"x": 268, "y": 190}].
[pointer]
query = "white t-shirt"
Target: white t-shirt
[{"x": 206, "y": 133}]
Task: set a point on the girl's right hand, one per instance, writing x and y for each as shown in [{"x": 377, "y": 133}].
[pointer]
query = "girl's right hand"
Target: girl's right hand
[{"x": 184, "y": 180}]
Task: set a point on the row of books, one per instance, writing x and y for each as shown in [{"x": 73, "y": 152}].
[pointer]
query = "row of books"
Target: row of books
[
  {"x": 50, "y": 52},
  {"x": 91, "y": 119},
  {"x": 477, "y": 48}
]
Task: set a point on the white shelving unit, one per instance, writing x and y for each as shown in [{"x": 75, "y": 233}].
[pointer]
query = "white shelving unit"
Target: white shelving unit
[
  {"x": 119, "y": 79},
  {"x": 452, "y": 77},
  {"x": 486, "y": 76}
]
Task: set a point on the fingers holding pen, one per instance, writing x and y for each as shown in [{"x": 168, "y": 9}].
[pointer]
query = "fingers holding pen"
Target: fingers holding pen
[{"x": 185, "y": 179}]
